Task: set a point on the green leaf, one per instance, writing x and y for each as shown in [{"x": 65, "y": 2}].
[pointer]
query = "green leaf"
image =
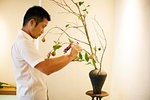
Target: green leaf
[
  {"x": 70, "y": 40},
  {"x": 1, "y": 85},
  {"x": 95, "y": 49},
  {"x": 81, "y": 2},
  {"x": 55, "y": 42},
  {"x": 59, "y": 42},
  {"x": 77, "y": 58},
  {"x": 93, "y": 62},
  {"x": 87, "y": 12},
  {"x": 55, "y": 47},
  {"x": 88, "y": 5},
  {"x": 88, "y": 63},
  {"x": 79, "y": 17},
  {"x": 81, "y": 60},
  {"x": 67, "y": 25},
  {"x": 84, "y": 9},
  {"x": 86, "y": 57},
  {"x": 59, "y": 46},
  {"x": 80, "y": 55}
]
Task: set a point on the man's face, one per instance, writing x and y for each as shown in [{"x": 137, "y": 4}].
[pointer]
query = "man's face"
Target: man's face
[{"x": 39, "y": 29}]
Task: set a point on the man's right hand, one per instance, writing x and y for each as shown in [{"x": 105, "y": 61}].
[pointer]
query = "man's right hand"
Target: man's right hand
[{"x": 74, "y": 51}]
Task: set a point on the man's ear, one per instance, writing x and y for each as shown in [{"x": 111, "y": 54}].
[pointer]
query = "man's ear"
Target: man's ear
[{"x": 32, "y": 22}]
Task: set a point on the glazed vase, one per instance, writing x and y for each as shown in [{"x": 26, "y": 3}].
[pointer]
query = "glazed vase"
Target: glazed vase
[{"x": 97, "y": 80}]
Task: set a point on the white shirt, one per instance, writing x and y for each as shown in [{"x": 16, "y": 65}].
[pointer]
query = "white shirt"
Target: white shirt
[{"x": 31, "y": 84}]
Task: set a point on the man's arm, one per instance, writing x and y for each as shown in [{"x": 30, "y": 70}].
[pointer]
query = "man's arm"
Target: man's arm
[{"x": 51, "y": 65}]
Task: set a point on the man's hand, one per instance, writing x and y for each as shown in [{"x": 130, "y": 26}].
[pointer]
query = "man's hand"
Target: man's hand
[{"x": 74, "y": 51}]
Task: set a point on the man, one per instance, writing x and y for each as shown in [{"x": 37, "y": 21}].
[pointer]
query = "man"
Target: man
[{"x": 29, "y": 68}]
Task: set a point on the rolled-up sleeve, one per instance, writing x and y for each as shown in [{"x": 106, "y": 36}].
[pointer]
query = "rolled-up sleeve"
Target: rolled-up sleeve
[{"x": 29, "y": 53}]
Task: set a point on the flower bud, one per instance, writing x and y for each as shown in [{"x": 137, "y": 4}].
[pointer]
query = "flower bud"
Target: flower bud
[
  {"x": 43, "y": 39},
  {"x": 99, "y": 49},
  {"x": 53, "y": 53},
  {"x": 91, "y": 56}
]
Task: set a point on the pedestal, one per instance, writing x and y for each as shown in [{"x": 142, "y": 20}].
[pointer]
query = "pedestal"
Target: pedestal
[{"x": 97, "y": 96}]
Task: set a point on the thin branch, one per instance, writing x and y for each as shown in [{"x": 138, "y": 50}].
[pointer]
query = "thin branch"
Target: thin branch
[
  {"x": 78, "y": 28},
  {"x": 98, "y": 35},
  {"x": 76, "y": 24},
  {"x": 49, "y": 54},
  {"x": 65, "y": 5},
  {"x": 96, "y": 58},
  {"x": 64, "y": 31},
  {"x": 59, "y": 37},
  {"x": 105, "y": 44},
  {"x": 72, "y": 37},
  {"x": 96, "y": 55},
  {"x": 68, "y": 6},
  {"x": 73, "y": 2},
  {"x": 102, "y": 32}
]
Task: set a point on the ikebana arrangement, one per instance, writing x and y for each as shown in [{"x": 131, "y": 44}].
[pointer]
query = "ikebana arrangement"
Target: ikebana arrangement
[{"x": 96, "y": 53}]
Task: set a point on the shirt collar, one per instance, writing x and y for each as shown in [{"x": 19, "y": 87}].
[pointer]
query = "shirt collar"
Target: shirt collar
[{"x": 26, "y": 35}]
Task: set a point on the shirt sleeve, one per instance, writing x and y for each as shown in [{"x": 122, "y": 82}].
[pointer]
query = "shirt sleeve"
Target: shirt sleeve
[{"x": 29, "y": 53}]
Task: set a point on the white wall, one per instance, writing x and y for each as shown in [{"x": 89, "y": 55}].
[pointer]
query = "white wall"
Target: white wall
[
  {"x": 72, "y": 82},
  {"x": 11, "y": 19},
  {"x": 131, "y": 65},
  {"x": 11, "y": 16}
]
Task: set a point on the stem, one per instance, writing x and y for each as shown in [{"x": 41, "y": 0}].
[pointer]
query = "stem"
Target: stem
[
  {"x": 86, "y": 51},
  {"x": 105, "y": 44},
  {"x": 86, "y": 30}
]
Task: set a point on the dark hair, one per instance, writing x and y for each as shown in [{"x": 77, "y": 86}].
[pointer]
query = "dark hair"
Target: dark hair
[{"x": 37, "y": 13}]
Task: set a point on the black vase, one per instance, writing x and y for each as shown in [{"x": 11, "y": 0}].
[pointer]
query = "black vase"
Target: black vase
[{"x": 97, "y": 79}]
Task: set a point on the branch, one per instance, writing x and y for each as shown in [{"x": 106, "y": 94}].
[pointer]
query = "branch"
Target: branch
[
  {"x": 73, "y": 2},
  {"x": 64, "y": 31},
  {"x": 65, "y": 5},
  {"x": 77, "y": 27},
  {"x": 105, "y": 43},
  {"x": 98, "y": 36},
  {"x": 72, "y": 37},
  {"x": 68, "y": 6},
  {"x": 85, "y": 27}
]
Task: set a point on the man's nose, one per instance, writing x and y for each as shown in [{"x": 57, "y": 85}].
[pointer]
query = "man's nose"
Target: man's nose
[{"x": 42, "y": 31}]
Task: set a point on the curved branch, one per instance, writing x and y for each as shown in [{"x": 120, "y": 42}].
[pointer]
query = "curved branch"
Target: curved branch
[
  {"x": 77, "y": 27},
  {"x": 72, "y": 37},
  {"x": 64, "y": 31},
  {"x": 105, "y": 43}
]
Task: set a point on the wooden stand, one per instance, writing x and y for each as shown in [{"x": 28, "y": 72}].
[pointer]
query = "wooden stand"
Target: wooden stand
[
  {"x": 7, "y": 91},
  {"x": 98, "y": 96}
]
